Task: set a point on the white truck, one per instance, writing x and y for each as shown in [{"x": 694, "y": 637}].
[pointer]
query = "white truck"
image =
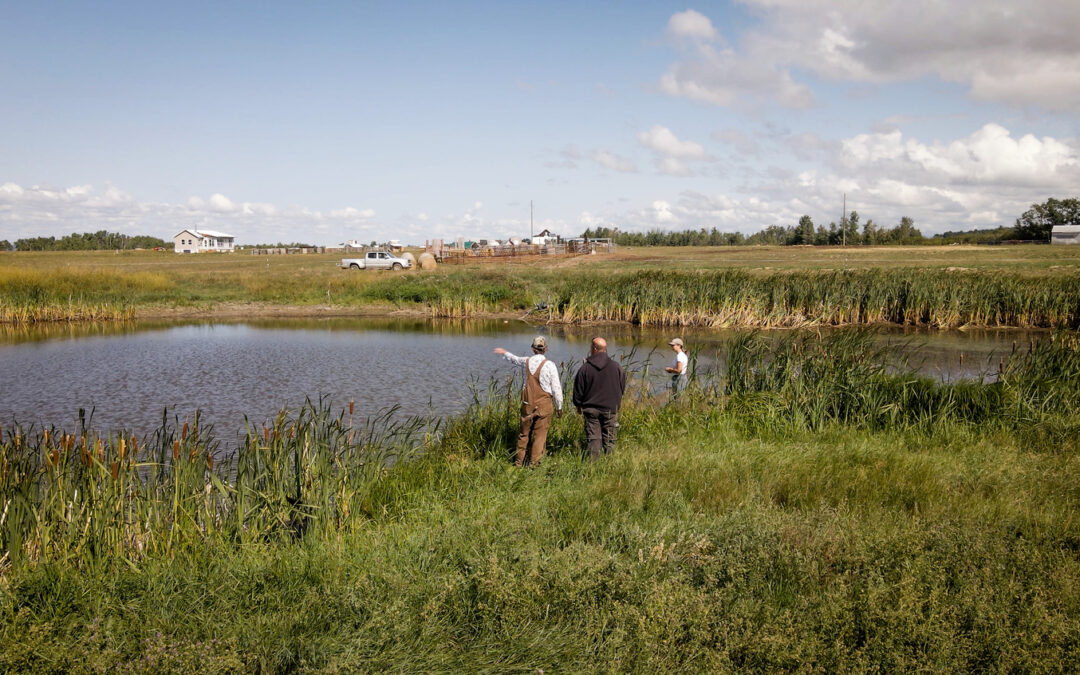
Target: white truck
[{"x": 376, "y": 260}]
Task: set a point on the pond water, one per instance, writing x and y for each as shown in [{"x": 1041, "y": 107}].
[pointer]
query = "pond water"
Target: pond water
[{"x": 128, "y": 373}]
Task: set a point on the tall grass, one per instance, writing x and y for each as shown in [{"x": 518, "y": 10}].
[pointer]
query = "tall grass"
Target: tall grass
[
  {"x": 603, "y": 292},
  {"x": 84, "y": 497},
  {"x": 35, "y": 295},
  {"x": 899, "y": 296}
]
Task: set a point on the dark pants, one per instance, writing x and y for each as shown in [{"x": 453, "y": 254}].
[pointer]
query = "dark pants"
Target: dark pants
[{"x": 600, "y": 429}]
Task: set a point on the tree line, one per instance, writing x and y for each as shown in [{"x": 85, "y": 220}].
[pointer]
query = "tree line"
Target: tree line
[
  {"x": 1034, "y": 224},
  {"x": 87, "y": 241}
]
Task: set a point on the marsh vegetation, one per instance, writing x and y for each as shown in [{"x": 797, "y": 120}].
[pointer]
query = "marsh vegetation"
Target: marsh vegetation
[{"x": 814, "y": 506}]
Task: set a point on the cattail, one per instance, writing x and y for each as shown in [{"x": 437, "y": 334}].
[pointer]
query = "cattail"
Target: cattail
[
  {"x": 183, "y": 434},
  {"x": 134, "y": 444},
  {"x": 45, "y": 436},
  {"x": 18, "y": 441},
  {"x": 176, "y": 450},
  {"x": 114, "y": 469},
  {"x": 55, "y": 457},
  {"x": 121, "y": 448},
  {"x": 352, "y": 404},
  {"x": 209, "y": 461},
  {"x": 99, "y": 450},
  {"x": 194, "y": 453},
  {"x": 266, "y": 434}
]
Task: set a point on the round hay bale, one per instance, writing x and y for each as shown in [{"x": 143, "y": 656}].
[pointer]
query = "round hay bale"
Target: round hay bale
[
  {"x": 407, "y": 255},
  {"x": 427, "y": 261}
]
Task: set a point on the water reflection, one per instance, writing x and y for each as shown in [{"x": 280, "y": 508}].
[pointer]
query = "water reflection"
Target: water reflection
[{"x": 128, "y": 372}]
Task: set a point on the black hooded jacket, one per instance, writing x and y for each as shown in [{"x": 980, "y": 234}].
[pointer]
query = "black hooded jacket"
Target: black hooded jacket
[{"x": 599, "y": 383}]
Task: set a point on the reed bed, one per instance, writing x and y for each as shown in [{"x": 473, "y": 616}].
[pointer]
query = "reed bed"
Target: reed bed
[
  {"x": 85, "y": 497},
  {"x": 38, "y": 295},
  {"x": 735, "y": 298}
]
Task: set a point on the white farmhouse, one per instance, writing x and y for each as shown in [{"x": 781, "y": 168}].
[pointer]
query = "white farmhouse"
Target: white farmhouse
[
  {"x": 545, "y": 238},
  {"x": 1065, "y": 234},
  {"x": 203, "y": 241}
]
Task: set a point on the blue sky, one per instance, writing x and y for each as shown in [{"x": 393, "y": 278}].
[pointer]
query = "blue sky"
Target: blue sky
[{"x": 335, "y": 121}]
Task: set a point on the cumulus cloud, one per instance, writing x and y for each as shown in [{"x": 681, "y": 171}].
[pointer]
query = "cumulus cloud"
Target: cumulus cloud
[
  {"x": 48, "y": 211},
  {"x": 1025, "y": 54},
  {"x": 670, "y": 153},
  {"x": 690, "y": 25},
  {"x": 610, "y": 160},
  {"x": 990, "y": 157},
  {"x": 985, "y": 179}
]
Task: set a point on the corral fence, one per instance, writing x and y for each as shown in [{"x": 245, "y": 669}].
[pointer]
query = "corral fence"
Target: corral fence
[{"x": 504, "y": 252}]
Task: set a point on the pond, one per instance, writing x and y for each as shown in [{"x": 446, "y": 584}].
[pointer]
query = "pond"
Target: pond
[{"x": 128, "y": 373}]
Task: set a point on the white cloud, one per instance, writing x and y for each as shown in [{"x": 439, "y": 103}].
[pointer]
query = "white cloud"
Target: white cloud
[
  {"x": 985, "y": 179},
  {"x": 661, "y": 140},
  {"x": 670, "y": 153},
  {"x": 612, "y": 161},
  {"x": 221, "y": 203},
  {"x": 1024, "y": 54},
  {"x": 47, "y": 211},
  {"x": 353, "y": 213},
  {"x": 990, "y": 157},
  {"x": 691, "y": 25}
]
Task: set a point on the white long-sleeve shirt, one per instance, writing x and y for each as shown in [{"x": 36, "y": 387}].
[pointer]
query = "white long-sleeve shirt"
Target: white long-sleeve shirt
[{"x": 549, "y": 374}]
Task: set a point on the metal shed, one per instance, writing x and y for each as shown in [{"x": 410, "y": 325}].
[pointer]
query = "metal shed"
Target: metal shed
[{"x": 1065, "y": 234}]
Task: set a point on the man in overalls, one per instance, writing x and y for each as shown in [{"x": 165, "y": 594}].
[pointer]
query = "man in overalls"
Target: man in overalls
[{"x": 541, "y": 397}]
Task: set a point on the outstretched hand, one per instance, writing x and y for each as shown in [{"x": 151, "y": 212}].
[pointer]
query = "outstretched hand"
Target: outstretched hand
[{"x": 500, "y": 351}]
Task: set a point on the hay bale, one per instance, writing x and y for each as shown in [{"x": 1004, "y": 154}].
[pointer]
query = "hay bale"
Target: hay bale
[
  {"x": 427, "y": 261},
  {"x": 407, "y": 255}
]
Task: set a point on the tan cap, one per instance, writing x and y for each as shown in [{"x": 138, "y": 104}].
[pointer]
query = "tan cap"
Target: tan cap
[
  {"x": 676, "y": 341},
  {"x": 539, "y": 342}
]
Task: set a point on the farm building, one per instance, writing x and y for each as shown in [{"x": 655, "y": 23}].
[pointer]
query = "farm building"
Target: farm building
[
  {"x": 203, "y": 241},
  {"x": 1065, "y": 234}
]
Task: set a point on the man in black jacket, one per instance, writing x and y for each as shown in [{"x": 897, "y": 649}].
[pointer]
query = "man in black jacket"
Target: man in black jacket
[{"x": 598, "y": 392}]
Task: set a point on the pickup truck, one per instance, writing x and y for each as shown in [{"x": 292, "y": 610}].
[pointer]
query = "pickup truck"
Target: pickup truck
[{"x": 376, "y": 260}]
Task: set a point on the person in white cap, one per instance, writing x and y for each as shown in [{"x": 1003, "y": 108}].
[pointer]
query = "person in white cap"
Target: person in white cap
[
  {"x": 541, "y": 397},
  {"x": 678, "y": 367}
]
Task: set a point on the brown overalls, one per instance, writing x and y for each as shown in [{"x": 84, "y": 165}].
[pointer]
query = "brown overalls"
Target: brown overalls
[{"x": 536, "y": 411}]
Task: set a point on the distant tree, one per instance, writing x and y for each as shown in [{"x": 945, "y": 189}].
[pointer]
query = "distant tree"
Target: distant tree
[
  {"x": 804, "y": 232},
  {"x": 5, "y": 245},
  {"x": 1037, "y": 222},
  {"x": 870, "y": 232},
  {"x": 88, "y": 241},
  {"x": 851, "y": 229},
  {"x": 821, "y": 236},
  {"x": 835, "y": 235}
]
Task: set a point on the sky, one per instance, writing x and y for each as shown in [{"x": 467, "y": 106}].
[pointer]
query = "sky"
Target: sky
[{"x": 331, "y": 121}]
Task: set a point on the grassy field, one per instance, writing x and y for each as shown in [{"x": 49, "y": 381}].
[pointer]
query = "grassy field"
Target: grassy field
[
  {"x": 760, "y": 286},
  {"x": 811, "y": 510}
]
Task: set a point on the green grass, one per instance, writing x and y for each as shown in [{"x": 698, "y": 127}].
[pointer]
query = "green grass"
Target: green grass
[
  {"x": 778, "y": 518},
  {"x": 1029, "y": 286}
]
